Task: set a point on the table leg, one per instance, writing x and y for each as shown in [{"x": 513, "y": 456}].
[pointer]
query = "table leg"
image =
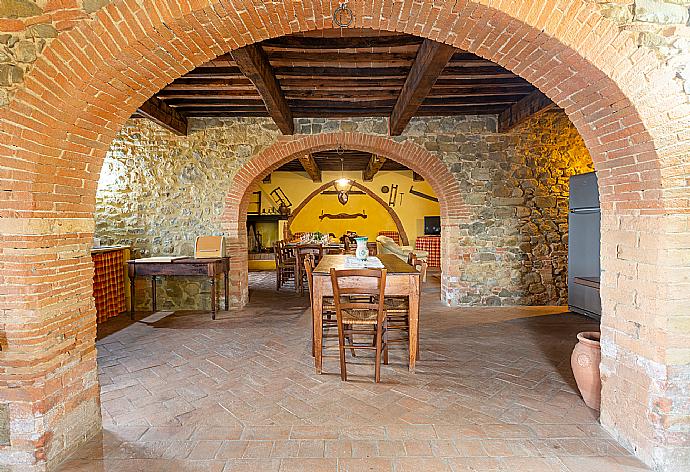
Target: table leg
[
  {"x": 298, "y": 275},
  {"x": 317, "y": 326},
  {"x": 153, "y": 293},
  {"x": 414, "y": 320},
  {"x": 226, "y": 283},
  {"x": 131, "y": 298},
  {"x": 213, "y": 298}
]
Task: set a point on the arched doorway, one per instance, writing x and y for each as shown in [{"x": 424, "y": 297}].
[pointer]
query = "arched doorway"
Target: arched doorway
[
  {"x": 407, "y": 153},
  {"x": 92, "y": 76}
]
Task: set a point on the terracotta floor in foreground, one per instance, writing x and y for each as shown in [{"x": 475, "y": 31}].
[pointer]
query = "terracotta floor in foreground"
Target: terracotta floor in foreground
[{"x": 493, "y": 391}]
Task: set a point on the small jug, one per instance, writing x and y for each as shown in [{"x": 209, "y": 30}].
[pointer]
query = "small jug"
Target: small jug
[{"x": 362, "y": 250}]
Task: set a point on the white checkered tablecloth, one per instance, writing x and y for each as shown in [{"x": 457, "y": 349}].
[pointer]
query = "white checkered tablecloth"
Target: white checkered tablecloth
[{"x": 432, "y": 245}]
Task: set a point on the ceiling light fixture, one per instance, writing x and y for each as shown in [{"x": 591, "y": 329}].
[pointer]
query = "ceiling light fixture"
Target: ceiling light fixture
[{"x": 343, "y": 182}]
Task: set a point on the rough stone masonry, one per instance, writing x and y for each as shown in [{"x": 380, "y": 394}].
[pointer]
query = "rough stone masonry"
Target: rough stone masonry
[{"x": 159, "y": 191}]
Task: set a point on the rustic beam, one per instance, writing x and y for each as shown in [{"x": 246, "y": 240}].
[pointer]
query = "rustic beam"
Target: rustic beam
[
  {"x": 375, "y": 164},
  {"x": 159, "y": 112},
  {"x": 431, "y": 58},
  {"x": 306, "y": 42},
  {"x": 254, "y": 64},
  {"x": 311, "y": 167},
  {"x": 529, "y": 106}
]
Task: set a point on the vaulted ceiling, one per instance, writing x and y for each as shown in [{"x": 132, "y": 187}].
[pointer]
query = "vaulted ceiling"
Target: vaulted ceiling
[{"x": 339, "y": 73}]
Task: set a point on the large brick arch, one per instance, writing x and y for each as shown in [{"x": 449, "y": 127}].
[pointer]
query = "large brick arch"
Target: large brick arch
[
  {"x": 445, "y": 186},
  {"x": 627, "y": 105}
]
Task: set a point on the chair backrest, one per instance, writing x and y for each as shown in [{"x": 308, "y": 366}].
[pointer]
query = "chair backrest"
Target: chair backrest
[
  {"x": 356, "y": 285},
  {"x": 309, "y": 270},
  {"x": 209, "y": 247},
  {"x": 419, "y": 264},
  {"x": 316, "y": 250},
  {"x": 278, "y": 253}
]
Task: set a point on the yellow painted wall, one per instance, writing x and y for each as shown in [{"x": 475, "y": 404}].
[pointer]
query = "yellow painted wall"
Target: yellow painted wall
[{"x": 297, "y": 186}]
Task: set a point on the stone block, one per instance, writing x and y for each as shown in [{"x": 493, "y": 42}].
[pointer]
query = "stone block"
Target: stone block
[
  {"x": 10, "y": 74},
  {"x": 42, "y": 30},
  {"x": 19, "y": 9},
  {"x": 91, "y": 6},
  {"x": 661, "y": 12}
]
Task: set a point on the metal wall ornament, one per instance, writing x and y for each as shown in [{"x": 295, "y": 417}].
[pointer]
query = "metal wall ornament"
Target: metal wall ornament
[{"x": 343, "y": 16}]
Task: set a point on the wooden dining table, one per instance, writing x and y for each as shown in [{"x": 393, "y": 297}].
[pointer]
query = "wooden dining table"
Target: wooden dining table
[{"x": 401, "y": 280}]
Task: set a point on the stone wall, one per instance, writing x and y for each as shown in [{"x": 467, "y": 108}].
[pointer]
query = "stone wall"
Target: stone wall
[
  {"x": 159, "y": 191},
  {"x": 660, "y": 25}
]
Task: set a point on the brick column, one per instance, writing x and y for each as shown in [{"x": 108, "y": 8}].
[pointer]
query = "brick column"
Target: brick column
[
  {"x": 645, "y": 344},
  {"x": 48, "y": 376},
  {"x": 452, "y": 261},
  {"x": 236, "y": 249}
]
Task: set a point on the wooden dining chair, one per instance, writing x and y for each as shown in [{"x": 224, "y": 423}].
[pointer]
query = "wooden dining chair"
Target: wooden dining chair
[
  {"x": 316, "y": 251},
  {"x": 398, "y": 310},
  {"x": 415, "y": 262},
  {"x": 285, "y": 264},
  {"x": 328, "y": 321},
  {"x": 358, "y": 296}
]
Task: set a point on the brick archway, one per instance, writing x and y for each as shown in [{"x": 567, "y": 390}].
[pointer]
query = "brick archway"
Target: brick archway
[
  {"x": 625, "y": 102},
  {"x": 445, "y": 186}
]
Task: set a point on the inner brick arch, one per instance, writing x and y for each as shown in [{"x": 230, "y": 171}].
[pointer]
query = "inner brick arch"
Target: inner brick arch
[
  {"x": 56, "y": 130},
  {"x": 394, "y": 216},
  {"x": 446, "y": 187}
]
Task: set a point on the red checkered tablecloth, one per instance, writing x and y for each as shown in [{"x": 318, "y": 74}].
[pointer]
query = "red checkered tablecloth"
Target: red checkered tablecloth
[
  {"x": 394, "y": 235},
  {"x": 432, "y": 245},
  {"x": 109, "y": 283}
]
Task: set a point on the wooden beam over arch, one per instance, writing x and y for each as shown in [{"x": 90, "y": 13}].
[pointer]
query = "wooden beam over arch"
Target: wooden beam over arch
[
  {"x": 254, "y": 64},
  {"x": 430, "y": 61},
  {"x": 166, "y": 116},
  {"x": 375, "y": 164},
  {"x": 311, "y": 167},
  {"x": 532, "y": 105}
]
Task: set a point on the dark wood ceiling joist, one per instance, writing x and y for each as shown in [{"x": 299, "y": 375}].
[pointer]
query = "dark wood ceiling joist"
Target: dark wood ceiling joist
[
  {"x": 375, "y": 165},
  {"x": 430, "y": 61},
  {"x": 310, "y": 167},
  {"x": 159, "y": 112},
  {"x": 527, "y": 107},
  {"x": 255, "y": 65},
  {"x": 307, "y": 42},
  {"x": 320, "y": 74}
]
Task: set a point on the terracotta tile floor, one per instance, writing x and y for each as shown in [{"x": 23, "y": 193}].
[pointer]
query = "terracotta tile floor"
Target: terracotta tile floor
[{"x": 493, "y": 391}]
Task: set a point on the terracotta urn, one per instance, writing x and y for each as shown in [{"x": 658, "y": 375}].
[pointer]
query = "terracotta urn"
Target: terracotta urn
[{"x": 585, "y": 363}]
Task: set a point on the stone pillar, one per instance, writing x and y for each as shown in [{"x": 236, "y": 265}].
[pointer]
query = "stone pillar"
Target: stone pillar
[
  {"x": 49, "y": 392},
  {"x": 645, "y": 345}
]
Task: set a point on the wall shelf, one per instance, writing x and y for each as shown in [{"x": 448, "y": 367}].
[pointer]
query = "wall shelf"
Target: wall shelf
[{"x": 266, "y": 218}]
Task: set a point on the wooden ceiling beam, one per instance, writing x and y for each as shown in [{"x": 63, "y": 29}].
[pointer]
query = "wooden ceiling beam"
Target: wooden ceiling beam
[
  {"x": 343, "y": 57},
  {"x": 311, "y": 167},
  {"x": 431, "y": 59},
  {"x": 254, "y": 64},
  {"x": 159, "y": 112},
  {"x": 306, "y": 42},
  {"x": 527, "y": 107},
  {"x": 375, "y": 164},
  {"x": 349, "y": 72}
]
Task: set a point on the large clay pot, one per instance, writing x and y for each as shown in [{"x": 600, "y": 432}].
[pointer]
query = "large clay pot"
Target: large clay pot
[{"x": 585, "y": 363}]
